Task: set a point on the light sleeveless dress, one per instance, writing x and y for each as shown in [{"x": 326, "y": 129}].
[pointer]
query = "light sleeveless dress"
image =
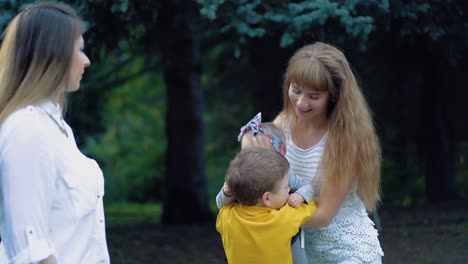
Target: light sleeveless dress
[{"x": 351, "y": 237}]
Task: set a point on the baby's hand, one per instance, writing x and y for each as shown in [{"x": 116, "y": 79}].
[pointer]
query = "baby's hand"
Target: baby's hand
[
  {"x": 295, "y": 200},
  {"x": 226, "y": 190}
]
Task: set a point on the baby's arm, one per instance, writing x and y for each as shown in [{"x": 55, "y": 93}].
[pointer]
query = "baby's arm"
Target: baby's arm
[
  {"x": 224, "y": 196},
  {"x": 302, "y": 190}
]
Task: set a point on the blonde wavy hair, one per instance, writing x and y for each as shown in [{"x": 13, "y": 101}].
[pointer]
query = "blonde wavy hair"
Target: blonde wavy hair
[
  {"x": 352, "y": 148},
  {"x": 36, "y": 56}
]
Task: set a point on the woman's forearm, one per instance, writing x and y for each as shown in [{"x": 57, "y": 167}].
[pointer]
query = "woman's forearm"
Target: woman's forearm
[
  {"x": 330, "y": 200},
  {"x": 318, "y": 219}
]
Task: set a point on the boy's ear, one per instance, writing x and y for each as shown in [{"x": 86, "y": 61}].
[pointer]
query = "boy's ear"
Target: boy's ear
[{"x": 266, "y": 199}]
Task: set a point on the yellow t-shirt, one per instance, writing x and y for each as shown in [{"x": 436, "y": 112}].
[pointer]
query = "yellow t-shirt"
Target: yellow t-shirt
[{"x": 257, "y": 235}]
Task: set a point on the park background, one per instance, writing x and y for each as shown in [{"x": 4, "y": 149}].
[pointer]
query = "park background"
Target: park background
[{"x": 171, "y": 82}]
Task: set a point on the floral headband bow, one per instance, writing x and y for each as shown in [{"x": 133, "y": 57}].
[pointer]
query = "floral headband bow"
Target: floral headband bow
[{"x": 255, "y": 126}]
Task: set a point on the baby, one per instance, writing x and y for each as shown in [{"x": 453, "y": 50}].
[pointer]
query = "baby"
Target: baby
[{"x": 267, "y": 135}]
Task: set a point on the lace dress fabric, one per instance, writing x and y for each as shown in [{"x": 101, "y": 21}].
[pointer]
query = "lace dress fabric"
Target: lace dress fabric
[{"x": 351, "y": 237}]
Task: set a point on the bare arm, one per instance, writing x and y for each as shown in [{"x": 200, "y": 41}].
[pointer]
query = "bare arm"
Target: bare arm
[{"x": 329, "y": 202}]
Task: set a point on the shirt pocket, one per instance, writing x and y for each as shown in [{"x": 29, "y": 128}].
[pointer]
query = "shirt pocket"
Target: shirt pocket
[{"x": 83, "y": 180}]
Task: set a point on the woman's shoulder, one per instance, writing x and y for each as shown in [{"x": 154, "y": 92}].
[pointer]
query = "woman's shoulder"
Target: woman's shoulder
[
  {"x": 29, "y": 115},
  {"x": 279, "y": 119},
  {"x": 282, "y": 120},
  {"x": 26, "y": 123}
]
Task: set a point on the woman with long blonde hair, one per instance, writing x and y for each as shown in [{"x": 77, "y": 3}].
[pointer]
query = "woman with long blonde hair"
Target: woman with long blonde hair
[
  {"x": 51, "y": 207},
  {"x": 332, "y": 142}
]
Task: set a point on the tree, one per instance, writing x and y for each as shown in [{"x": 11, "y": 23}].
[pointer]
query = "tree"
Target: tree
[
  {"x": 185, "y": 161},
  {"x": 152, "y": 28},
  {"x": 167, "y": 30},
  {"x": 408, "y": 49},
  {"x": 433, "y": 35}
]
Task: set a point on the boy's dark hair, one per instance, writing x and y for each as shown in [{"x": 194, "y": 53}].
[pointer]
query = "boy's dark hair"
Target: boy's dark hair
[{"x": 255, "y": 171}]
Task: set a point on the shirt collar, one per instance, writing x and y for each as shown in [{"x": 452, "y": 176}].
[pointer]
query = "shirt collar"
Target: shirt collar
[{"x": 52, "y": 108}]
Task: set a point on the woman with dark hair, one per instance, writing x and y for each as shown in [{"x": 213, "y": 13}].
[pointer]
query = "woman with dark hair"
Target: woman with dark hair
[{"x": 51, "y": 207}]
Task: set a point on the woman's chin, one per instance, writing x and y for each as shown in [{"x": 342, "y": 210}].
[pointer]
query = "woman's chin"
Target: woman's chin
[
  {"x": 73, "y": 88},
  {"x": 302, "y": 114}
]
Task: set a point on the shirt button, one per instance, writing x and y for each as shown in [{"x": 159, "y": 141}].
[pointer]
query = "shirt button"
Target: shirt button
[
  {"x": 99, "y": 196},
  {"x": 100, "y": 221}
]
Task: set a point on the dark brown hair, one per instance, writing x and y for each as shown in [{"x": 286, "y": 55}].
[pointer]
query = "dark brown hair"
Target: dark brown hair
[{"x": 255, "y": 171}]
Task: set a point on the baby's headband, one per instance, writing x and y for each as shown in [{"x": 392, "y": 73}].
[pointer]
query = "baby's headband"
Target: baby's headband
[{"x": 254, "y": 125}]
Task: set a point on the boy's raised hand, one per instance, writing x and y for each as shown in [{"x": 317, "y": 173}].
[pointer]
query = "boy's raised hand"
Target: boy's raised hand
[
  {"x": 226, "y": 190},
  {"x": 295, "y": 199}
]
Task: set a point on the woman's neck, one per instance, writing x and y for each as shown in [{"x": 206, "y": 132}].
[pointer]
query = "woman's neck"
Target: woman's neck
[
  {"x": 308, "y": 134},
  {"x": 314, "y": 126}
]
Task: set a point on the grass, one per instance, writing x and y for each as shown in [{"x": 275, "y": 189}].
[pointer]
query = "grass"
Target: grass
[
  {"x": 131, "y": 213},
  {"x": 427, "y": 234},
  {"x": 135, "y": 235}
]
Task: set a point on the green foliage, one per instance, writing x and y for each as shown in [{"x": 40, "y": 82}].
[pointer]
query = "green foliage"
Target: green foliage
[
  {"x": 131, "y": 149},
  {"x": 301, "y": 19},
  {"x": 5, "y": 17},
  {"x": 422, "y": 19},
  {"x": 442, "y": 24},
  {"x": 118, "y": 214},
  {"x": 9, "y": 9},
  {"x": 228, "y": 105},
  {"x": 403, "y": 186},
  {"x": 210, "y": 8},
  {"x": 221, "y": 142},
  {"x": 121, "y": 6},
  {"x": 121, "y": 22},
  {"x": 119, "y": 112}
]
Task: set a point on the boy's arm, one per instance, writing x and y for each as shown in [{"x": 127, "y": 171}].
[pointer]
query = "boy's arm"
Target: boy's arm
[
  {"x": 300, "y": 186},
  {"x": 220, "y": 219},
  {"x": 296, "y": 217},
  {"x": 222, "y": 199},
  {"x": 305, "y": 211}
]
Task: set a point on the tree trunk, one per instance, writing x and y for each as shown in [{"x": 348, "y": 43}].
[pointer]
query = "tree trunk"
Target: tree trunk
[
  {"x": 268, "y": 94},
  {"x": 186, "y": 193},
  {"x": 438, "y": 141}
]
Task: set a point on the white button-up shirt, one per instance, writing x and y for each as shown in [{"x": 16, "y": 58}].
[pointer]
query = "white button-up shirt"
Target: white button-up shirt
[{"x": 51, "y": 195}]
